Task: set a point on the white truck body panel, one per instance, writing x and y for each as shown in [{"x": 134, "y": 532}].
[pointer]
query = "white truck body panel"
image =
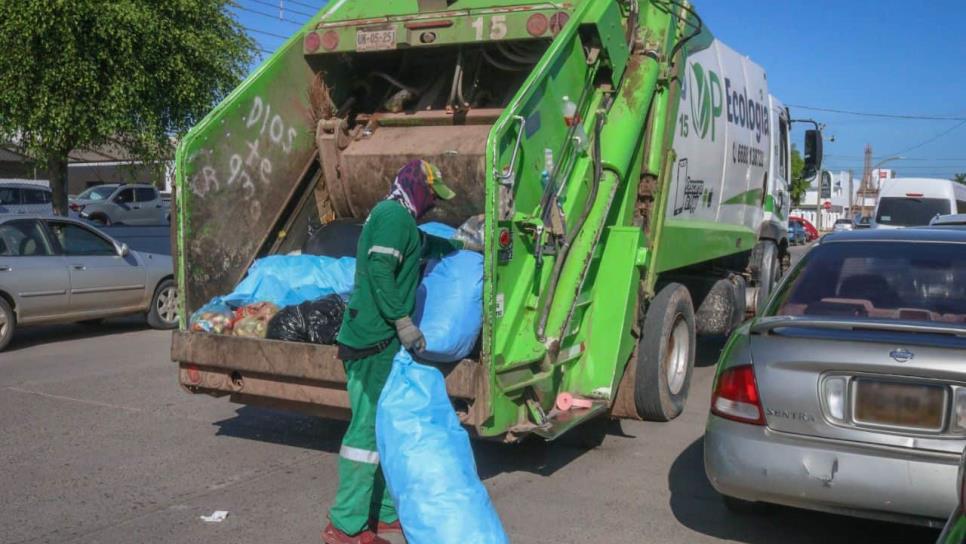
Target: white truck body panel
[{"x": 729, "y": 144}]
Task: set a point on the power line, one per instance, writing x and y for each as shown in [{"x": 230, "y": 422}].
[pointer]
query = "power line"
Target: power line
[
  {"x": 271, "y": 5},
  {"x": 303, "y": 4},
  {"x": 272, "y": 34},
  {"x": 883, "y": 115},
  {"x": 269, "y": 15},
  {"x": 858, "y": 158},
  {"x": 930, "y": 140}
]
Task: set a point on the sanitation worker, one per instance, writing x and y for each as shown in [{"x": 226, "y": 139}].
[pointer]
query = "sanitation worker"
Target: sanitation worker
[{"x": 377, "y": 321}]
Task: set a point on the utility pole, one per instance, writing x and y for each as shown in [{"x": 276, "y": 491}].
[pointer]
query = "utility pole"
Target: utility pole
[{"x": 866, "y": 177}]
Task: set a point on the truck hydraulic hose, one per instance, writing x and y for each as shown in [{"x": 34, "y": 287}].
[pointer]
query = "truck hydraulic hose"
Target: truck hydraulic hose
[{"x": 572, "y": 235}]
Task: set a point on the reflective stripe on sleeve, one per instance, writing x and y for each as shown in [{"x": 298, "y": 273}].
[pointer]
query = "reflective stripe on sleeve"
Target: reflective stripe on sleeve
[
  {"x": 386, "y": 251},
  {"x": 359, "y": 455}
]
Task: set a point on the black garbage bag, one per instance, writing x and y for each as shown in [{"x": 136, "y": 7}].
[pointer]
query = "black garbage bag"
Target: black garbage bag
[
  {"x": 336, "y": 239},
  {"x": 315, "y": 322}
]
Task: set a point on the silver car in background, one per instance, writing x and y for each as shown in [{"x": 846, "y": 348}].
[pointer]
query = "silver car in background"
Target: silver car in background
[
  {"x": 848, "y": 394},
  {"x": 25, "y": 199},
  {"x": 57, "y": 270}
]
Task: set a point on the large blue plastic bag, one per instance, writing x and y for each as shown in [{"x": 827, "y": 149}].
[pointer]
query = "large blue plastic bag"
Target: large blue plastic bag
[
  {"x": 449, "y": 306},
  {"x": 440, "y": 230},
  {"x": 289, "y": 280},
  {"x": 428, "y": 463}
]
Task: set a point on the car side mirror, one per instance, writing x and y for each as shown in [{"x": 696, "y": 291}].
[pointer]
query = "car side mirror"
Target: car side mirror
[
  {"x": 813, "y": 153},
  {"x": 123, "y": 250}
]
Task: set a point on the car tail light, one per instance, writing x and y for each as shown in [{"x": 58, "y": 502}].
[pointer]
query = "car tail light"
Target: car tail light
[
  {"x": 736, "y": 396},
  {"x": 834, "y": 391},
  {"x": 959, "y": 409},
  {"x": 75, "y": 207}
]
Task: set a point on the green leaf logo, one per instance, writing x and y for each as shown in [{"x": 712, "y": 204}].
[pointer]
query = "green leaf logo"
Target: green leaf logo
[{"x": 705, "y": 103}]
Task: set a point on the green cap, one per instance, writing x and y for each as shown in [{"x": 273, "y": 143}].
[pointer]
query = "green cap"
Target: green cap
[{"x": 435, "y": 181}]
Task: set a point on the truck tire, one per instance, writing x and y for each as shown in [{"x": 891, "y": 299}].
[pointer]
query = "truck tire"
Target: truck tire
[
  {"x": 665, "y": 355},
  {"x": 163, "y": 313},
  {"x": 723, "y": 308},
  {"x": 8, "y": 322},
  {"x": 766, "y": 270}
]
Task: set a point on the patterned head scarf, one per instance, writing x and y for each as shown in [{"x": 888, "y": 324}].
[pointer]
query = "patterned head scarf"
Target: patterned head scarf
[{"x": 417, "y": 186}]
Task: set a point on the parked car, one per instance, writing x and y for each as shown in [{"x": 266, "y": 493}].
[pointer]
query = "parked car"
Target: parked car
[
  {"x": 956, "y": 219},
  {"x": 796, "y": 233},
  {"x": 842, "y": 225},
  {"x": 24, "y": 199},
  {"x": 57, "y": 270},
  {"x": 811, "y": 232},
  {"x": 847, "y": 394},
  {"x": 910, "y": 202},
  {"x": 131, "y": 204},
  {"x": 955, "y": 530}
]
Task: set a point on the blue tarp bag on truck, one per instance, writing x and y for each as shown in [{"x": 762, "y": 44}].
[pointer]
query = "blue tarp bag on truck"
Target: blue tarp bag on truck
[
  {"x": 428, "y": 462},
  {"x": 288, "y": 280}
]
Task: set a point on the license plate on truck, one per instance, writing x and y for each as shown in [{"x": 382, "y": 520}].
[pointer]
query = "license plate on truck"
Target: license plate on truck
[
  {"x": 903, "y": 405},
  {"x": 375, "y": 40}
]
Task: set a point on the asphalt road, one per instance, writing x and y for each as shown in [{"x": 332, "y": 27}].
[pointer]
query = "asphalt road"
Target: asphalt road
[{"x": 99, "y": 445}]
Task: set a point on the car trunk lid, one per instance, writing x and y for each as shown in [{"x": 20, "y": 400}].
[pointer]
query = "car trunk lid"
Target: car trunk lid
[{"x": 890, "y": 384}]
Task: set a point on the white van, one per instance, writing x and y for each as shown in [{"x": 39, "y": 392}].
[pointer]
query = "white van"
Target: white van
[{"x": 908, "y": 202}]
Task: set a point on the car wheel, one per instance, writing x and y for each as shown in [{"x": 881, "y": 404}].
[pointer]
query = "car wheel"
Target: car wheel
[
  {"x": 164, "y": 306},
  {"x": 665, "y": 355},
  {"x": 8, "y": 322},
  {"x": 101, "y": 219},
  {"x": 766, "y": 270}
]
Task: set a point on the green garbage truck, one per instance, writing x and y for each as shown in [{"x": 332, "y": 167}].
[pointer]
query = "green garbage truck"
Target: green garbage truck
[{"x": 633, "y": 172}]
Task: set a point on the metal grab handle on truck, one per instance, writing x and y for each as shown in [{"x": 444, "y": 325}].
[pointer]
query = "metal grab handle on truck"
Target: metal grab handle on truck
[{"x": 503, "y": 178}]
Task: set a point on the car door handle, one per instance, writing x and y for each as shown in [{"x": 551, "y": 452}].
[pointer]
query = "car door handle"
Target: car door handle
[{"x": 79, "y": 267}]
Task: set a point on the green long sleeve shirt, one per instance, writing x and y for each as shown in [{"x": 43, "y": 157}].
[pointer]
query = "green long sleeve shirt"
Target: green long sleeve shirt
[{"x": 388, "y": 260}]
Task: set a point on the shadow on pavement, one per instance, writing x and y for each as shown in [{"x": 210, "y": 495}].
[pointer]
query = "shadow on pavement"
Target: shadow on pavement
[
  {"x": 698, "y": 506},
  {"x": 284, "y": 428},
  {"x": 537, "y": 456},
  {"x": 30, "y": 336}
]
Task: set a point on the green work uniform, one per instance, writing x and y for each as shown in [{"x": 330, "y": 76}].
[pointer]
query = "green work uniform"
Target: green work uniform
[{"x": 387, "y": 274}]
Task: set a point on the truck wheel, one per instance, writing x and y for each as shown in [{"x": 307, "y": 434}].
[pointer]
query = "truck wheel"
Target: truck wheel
[
  {"x": 767, "y": 269},
  {"x": 8, "y": 322},
  {"x": 164, "y": 306},
  {"x": 665, "y": 355}
]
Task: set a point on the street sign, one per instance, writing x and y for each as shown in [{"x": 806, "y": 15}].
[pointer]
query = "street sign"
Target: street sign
[{"x": 827, "y": 205}]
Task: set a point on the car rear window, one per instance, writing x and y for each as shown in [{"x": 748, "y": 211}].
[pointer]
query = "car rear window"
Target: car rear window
[
  {"x": 909, "y": 281},
  {"x": 907, "y": 212},
  {"x": 36, "y": 196},
  {"x": 9, "y": 195}
]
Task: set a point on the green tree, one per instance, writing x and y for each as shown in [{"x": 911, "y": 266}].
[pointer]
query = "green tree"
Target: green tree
[
  {"x": 960, "y": 178},
  {"x": 798, "y": 183},
  {"x": 84, "y": 73}
]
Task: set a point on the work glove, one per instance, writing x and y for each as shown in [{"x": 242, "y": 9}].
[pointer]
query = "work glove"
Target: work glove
[{"x": 409, "y": 334}]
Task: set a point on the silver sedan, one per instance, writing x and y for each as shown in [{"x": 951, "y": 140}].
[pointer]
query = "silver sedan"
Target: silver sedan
[
  {"x": 56, "y": 270},
  {"x": 849, "y": 394}
]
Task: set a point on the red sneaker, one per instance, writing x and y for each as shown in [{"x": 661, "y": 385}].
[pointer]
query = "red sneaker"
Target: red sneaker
[
  {"x": 331, "y": 535},
  {"x": 389, "y": 528}
]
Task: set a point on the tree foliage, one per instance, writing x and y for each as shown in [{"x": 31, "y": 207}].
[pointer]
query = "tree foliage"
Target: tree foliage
[
  {"x": 960, "y": 178},
  {"x": 798, "y": 183},
  {"x": 84, "y": 73}
]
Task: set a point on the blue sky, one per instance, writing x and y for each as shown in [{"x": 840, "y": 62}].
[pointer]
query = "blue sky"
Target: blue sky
[{"x": 887, "y": 56}]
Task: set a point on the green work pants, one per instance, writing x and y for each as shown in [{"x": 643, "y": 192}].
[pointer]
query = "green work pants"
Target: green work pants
[{"x": 362, "y": 494}]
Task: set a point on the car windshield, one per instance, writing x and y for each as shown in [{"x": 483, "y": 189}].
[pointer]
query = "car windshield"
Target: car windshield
[
  {"x": 97, "y": 193},
  {"x": 907, "y": 212},
  {"x": 907, "y": 281}
]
